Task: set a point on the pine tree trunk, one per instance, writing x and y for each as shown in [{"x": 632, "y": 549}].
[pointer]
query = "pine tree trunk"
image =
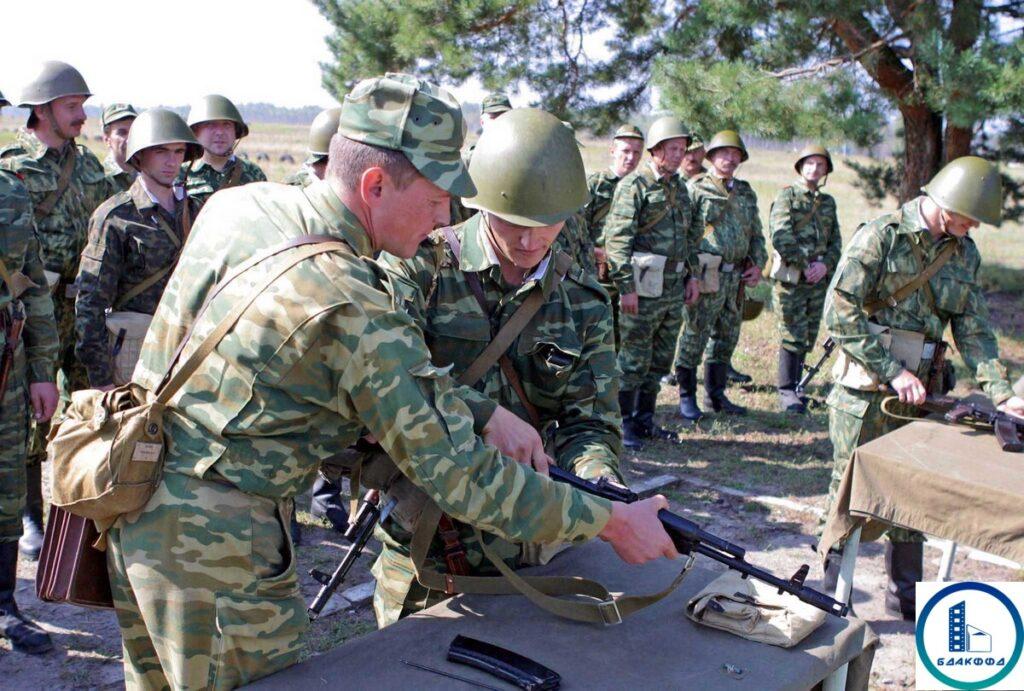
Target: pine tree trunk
[{"x": 922, "y": 156}]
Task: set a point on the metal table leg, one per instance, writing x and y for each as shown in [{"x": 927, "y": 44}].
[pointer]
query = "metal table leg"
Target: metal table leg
[
  {"x": 946, "y": 564},
  {"x": 844, "y": 587}
]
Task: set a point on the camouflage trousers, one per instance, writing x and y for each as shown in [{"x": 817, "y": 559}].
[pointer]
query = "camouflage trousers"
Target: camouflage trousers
[
  {"x": 712, "y": 322},
  {"x": 800, "y": 307},
  {"x": 649, "y": 337},
  {"x": 855, "y": 418},
  {"x": 14, "y": 426},
  {"x": 204, "y": 583},
  {"x": 613, "y": 293}
]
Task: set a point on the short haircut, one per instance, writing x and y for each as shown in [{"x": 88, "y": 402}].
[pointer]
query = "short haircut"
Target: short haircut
[{"x": 349, "y": 159}]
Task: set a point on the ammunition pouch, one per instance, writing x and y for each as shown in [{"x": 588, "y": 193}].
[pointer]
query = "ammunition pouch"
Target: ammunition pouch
[
  {"x": 649, "y": 274},
  {"x": 909, "y": 347},
  {"x": 709, "y": 269},
  {"x": 127, "y": 331},
  {"x": 782, "y": 272}
]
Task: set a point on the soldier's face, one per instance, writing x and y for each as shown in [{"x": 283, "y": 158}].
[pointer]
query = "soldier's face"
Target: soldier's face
[
  {"x": 669, "y": 154},
  {"x": 401, "y": 219},
  {"x": 957, "y": 225},
  {"x": 726, "y": 160},
  {"x": 161, "y": 164},
  {"x": 693, "y": 161},
  {"x": 521, "y": 246},
  {"x": 626, "y": 154},
  {"x": 814, "y": 168},
  {"x": 115, "y": 136},
  {"x": 216, "y": 136},
  {"x": 69, "y": 115}
]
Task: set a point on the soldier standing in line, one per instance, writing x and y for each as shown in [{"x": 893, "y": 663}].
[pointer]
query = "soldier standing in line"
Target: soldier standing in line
[
  {"x": 117, "y": 121},
  {"x": 324, "y": 125},
  {"x": 905, "y": 275},
  {"x": 807, "y": 243},
  {"x": 66, "y": 183},
  {"x": 733, "y": 250},
  {"x": 693, "y": 159},
  {"x": 493, "y": 106}
]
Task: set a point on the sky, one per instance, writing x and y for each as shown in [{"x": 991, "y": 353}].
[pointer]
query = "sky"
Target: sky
[{"x": 170, "y": 52}]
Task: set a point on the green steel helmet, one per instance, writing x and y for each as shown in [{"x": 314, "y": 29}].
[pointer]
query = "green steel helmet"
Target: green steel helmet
[
  {"x": 118, "y": 111},
  {"x": 158, "y": 126},
  {"x": 813, "y": 150},
  {"x": 696, "y": 143},
  {"x": 528, "y": 170},
  {"x": 52, "y": 80},
  {"x": 666, "y": 127},
  {"x": 629, "y": 132},
  {"x": 969, "y": 186},
  {"x": 217, "y": 107},
  {"x": 568, "y": 126},
  {"x": 325, "y": 124},
  {"x": 752, "y": 309},
  {"x": 495, "y": 103},
  {"x": 727, "y": 138},
  {"x": 3, "y": 101}
]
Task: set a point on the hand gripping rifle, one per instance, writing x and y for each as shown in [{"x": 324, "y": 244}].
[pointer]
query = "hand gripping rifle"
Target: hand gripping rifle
[
  {"x": 1009, "y": 429},
  {"x": 829, "y": 345},
  {"x": 690, "y": 538}
]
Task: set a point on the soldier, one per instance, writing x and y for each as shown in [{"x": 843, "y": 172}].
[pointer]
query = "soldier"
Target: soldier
[
  {"x": 66, "y": 183},
  {"x": 325, "y": 124},
  {"x": 693, "y": 159},
  {"x": 204, "y": 575},
  {"x": 725, "y": 209},
  {"x": 574, "y": 238},
  {"x": 564, "y": 360},
  {"x": 493, "y": 105},
  {"x": 651, "y": 241},
  {"x": 117, "y": 120},
  {"x": 29, "y": 377},
  {"x": 627, "y": 149},
  {"x": 135, "y": 238},
  {"x": 805, "y": 235},
  {"x": 218, "y": 126},
  {"x": 907, "y": 275}
]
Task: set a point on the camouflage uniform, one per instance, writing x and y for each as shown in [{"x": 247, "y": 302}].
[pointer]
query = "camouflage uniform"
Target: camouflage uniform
[
  {"x": 302, "y": 177},
  {"x": 818, "y": 239},
  {"x": 119, "y": 179},
  {"x": 575, "y": 396},
  {"x": 203, "y": 179},
  {"x": 601, "y": 186},
  {"x": 130, "y": 239},
  {"x": 204, "y": 575},
  {"x": 574, "y": 240},
  {"x": 35, "y": 360}
]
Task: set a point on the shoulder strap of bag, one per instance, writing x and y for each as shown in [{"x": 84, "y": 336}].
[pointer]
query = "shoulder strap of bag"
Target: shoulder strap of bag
[
  {"x": 153, "y": 279},
  {"x": 235, "y": 176},
  {"x": 921, "y": 279},
  {"x": 140, "y": 288},
  {"x": 665, "y": 211},
  {"x": 601, "y": 212},
  {"x": 45, "y": 207},
  {"x": 805, "y": 219}
]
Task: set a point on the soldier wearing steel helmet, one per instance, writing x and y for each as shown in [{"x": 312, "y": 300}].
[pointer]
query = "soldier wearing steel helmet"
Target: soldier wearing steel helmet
[
  {"x": 135, "y": 238},
  {"x": 218, "y": 126},
  {"x": 117, "y": 121},
  {"x": 323, "y": 127},
  {"x": 732, "y": 250},
  {"x": 651, "y": 237},
  {"x": 805, "y": 236},
  {"x": 66, "y": 183},
  {"x": 928, "y": 236}
]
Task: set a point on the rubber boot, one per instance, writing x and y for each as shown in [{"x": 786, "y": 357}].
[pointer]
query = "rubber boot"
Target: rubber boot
[
  {"x": 24, "y": 635},
  {"x": 630, "y": 426},
  {"x": 715, "y": 376},
  {"x": 904, "y": 563},
  {"x": 737, "y": 377},
  {"x": 790, "y": 367},
  {"x": 688, "y": 409},
  {"x": 646, "y": 403},
  {"x": 31, "y": 542},
  {"x": 328, "y": 505}
]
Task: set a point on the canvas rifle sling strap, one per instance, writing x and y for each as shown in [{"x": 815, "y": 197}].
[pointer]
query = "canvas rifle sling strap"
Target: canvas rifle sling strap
[
  {"x": 920, "y": 280},
  {"x": 45, "y": 207},
  {"x": 235, "y": 176}
]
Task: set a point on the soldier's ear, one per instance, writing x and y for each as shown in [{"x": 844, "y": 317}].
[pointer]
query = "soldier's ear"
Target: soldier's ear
[{"x": 372, "y": 185}]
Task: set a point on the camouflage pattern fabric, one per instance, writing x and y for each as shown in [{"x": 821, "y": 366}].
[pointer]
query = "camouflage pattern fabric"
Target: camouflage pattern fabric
[
  {"x": 203, "y": 179},
  {"x": 565, "y": 358},
  {"x": 710, "y": 326},
  {"x": 128, "y": 243},
  {"x": 648, "y": 338},
  {"x": 34, "y": 360},
  {"x": 601, "y": 186},
  {"x": 319, "y": 360},
  {"x": 302, "y": 177},
  {"x": 119, "y": 180},
  {"x": 575, "y": 241}
]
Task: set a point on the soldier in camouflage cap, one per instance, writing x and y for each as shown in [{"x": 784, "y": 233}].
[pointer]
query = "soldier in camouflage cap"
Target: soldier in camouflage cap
[
  {"x": 204, "y": 576},
  {"x": 493, "y": 105},
  {"x": 693, "y": 159},
  {"x": 117, "y": 121}
]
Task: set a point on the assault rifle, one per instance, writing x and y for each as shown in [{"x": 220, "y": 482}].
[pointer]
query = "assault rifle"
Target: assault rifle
[
  {"x": 1009, "y": 429},
  {"x": 13, "y": 324},
  {"x": 829, "y": 345},
  {"x": 690, "y": 538}
]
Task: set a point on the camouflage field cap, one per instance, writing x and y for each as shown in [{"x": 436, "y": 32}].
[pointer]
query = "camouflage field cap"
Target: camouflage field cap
[
  {"x": 118, "y": 111},
  {"x": 696, "y": 143},
  {"x": 423, "y": 121},
  {"x": 629, "y": 132},
  {"x": 495, "y": 103},
  {"x": 3, "y": 101}
]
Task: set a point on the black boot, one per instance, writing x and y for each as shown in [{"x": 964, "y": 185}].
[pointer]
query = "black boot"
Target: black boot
[
  {"x": 904, "y": 562},
  {"x": 790, "y": 368},
  {"x": 630, "y": 426},
  {"x": 646, "y": 403},
  {"x": 714, "y": 386},
  {"x": 31, "y": 542},
  {"x": 328, "y": 504},
  {"x": 25, "y": 636},
  {"x": 687, "y": 379},
  {"x": 736, "y": 377}
]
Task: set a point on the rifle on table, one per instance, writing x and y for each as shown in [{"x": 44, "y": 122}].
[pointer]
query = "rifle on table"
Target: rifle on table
[
  {"x": 810, "y": 372},
  {"x": 358, "y": 534},
  {"x": 1009, "y": 429},
  {"x": 13, "y": 324},
  {"x": 690, "y": 538}
]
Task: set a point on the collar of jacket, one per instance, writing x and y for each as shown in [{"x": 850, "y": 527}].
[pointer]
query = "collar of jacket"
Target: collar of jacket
[
  {"x": 338, "y": 217},
  {"x": 199, "y": 164},
  {"x": 36, "y": 149}
]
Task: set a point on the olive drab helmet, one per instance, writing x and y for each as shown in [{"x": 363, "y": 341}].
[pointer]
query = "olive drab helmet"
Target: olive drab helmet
[
  {"x": 217, "y": 107},
  {"x": 666, "y": 127},
  {"x": 325, "y": 124},
  {"x": 3, "y": 101},
  {"x": 52, "y": 80},
  {"x": 528, "y": 170},
  {"x": 158, "y": 126},
  {"x": 752, "y": 308},
  {"x": 813, "y": 150},
  {"x": 727, "y": 138},
  {"x": 969, "y": 186}
]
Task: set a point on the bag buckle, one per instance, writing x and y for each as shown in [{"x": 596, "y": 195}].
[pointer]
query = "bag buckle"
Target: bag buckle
[{"x": 609, "y": 610}]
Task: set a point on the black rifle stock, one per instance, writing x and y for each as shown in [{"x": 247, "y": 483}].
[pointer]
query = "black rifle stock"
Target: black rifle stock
[
  {"x": 690, "y": 538},
  {"x": 810, "y": 372}
]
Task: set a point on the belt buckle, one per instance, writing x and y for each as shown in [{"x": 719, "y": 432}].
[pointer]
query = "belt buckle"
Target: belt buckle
[{"x": 610, "y": 612}]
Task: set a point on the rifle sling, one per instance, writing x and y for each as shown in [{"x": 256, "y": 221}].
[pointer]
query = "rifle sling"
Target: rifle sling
[
  {"x": 45, "y": 207},
  {"x": 921, "y": 279},
  {"x": 235, "y": 176}
]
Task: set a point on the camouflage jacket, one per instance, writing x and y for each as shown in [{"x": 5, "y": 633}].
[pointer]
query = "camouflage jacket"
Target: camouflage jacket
[
  {"x": 120, "y": 180},
  {"x": 877, "y": 262},
  {"x": 62, "y": 232},
  {"x": 601, "y": 186},
  {"x": 19, "y": 249},
  {"x": 301, "y": 177},
  {"x": 320, "y": 359},
  {"x": 203, "y": 179},
  {"x": 575, "y": 241},
  {"x": 130, "y": 239},
  {"x": 729, "y": 223},
  {"x": 818, "y": 238},
  {"x": 642, "y": 199}
]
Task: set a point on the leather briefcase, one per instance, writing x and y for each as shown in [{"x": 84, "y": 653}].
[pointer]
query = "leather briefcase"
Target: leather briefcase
[{"x": 70, "y": 569}]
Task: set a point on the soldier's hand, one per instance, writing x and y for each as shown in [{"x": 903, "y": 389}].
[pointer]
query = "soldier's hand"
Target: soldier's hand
[
  {"x": 752, "y": 276},
  {"x": 815, "y": 271},
  {"x": 1012, "y": 406},
  {"x": 629, "y": 303},
  {"x": 517, "y": 439},
  {"x": 909, "y": 388},
  {"x": 600, "y": 255},
  {"x": 692, "y": 291},
  {"x": 635, "y": 532},
  {"x": 44, "y": 400}
]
